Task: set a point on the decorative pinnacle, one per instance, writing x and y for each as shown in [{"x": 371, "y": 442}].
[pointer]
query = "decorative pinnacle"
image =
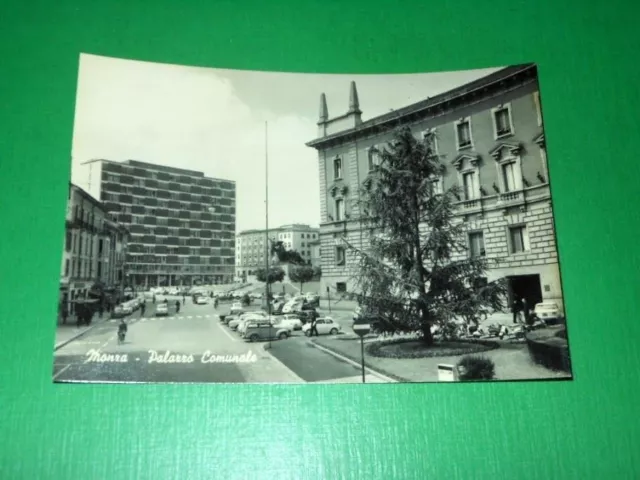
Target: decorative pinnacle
[
  {"x": 354, "y": 103},
  {"x": 324, "y": 113}
]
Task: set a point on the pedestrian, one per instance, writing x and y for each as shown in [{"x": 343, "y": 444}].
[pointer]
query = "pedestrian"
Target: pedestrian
[
  {"x": 154, "y": 298},
  {"x": 183, "y": 299},
  {"x": 525, "y": 310},
  {"x": 314, "y": 324},
  {"x": 65, "y": 314},
  {"x": 101, "y": 310},
  {"x": 515, "y": 309},
  {"x": 143, "y": 307},
  {"x": 177, "y": 306}
]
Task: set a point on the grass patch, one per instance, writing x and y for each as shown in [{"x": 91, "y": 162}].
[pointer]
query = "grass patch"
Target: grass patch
[{"x": 412, "y": 348}]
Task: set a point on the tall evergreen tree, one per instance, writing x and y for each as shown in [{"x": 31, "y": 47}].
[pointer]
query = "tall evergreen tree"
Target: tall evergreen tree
[{"x": 415, "y": 272}]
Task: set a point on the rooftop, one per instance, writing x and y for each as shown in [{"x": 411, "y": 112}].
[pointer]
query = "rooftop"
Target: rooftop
[{"x": 431, "y": 102}]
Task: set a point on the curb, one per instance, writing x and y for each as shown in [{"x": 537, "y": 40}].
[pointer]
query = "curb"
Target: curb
[
  {"x": 276, "y": 360},
  {"x": 356, "y": 364},
  {"x": 59, "y": 345}
]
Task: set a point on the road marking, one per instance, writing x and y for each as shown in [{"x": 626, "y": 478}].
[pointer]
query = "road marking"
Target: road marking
[
  {"x": 187, "y": 317},
  {"x": 233, "y": 339},
  {"x": 61, "y": 372}
]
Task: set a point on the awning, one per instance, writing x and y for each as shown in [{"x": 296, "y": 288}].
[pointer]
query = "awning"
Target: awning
[{"x": 82, "y": 301}]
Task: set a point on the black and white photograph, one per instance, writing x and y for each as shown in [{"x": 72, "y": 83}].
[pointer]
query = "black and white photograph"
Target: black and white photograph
[{"x": 235, "y": 226}]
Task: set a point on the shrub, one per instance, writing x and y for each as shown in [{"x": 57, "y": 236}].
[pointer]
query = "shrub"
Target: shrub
[
  {"x": 414, "y": 348},
  {"x": 475, "y": 367},
  {"x": 549, "y": 347}
]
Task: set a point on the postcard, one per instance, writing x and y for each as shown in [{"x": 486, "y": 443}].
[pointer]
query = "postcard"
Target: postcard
[{"x": 227, "y": 226}]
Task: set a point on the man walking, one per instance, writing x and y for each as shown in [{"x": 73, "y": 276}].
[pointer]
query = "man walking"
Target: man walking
[
  {"x": 516, "y": 307},
  {"x": 314, "y": 327}
]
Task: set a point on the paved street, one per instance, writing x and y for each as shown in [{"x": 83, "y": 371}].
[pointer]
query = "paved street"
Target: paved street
[{"x": 193, "y": 346}]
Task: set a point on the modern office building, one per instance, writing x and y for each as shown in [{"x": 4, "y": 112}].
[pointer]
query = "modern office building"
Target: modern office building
[
  {"x": 489, "y": 133},
  {"x": 251, "y": 250},
  {"x": 94, "y": 250},
  {"x": 182, "y": 223}
]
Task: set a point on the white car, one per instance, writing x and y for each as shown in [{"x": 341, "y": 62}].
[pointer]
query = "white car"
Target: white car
[
  {"x": 292, "y": 306},
  {"x": 547, "y": 311},
  {"x": 251, "y": 317},
  {"x": 236, "y": 307},
  {"x": 201, "y": 300},
  {"x": 325, "y": 326},
  {"x": 162, "y": 309},
  {"x": 235, "y": 323},
  {"x": 291, "y": 321}
]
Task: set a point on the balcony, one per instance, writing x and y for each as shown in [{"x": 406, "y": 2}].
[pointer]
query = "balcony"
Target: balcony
[{"x": 510, "y": 198}]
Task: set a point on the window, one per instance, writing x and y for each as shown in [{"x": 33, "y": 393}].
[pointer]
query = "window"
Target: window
[
  {"x": 536, "y": 101},
  {"x": 66, "y": 268},
  {"x": 340, "y": 256},
  {"x": 341, "y": 287},
  {"x": 463, "y": 133},
  {"x": 502, "y": 124},
  {"x": 337, "y": 168},
  {"x": 435, "y": 186},
  {"x": 476, "y": 244},
  {"x": 430, "y": 137},
  {"x": 518, "y": 239},
  {"x": 509, "y": 176},
  {"x": 374, "y": 157},
  {"x": 339, "y": 210},
  {"x": 68, "y": 241},
  {"x": 469, "y": 185}
]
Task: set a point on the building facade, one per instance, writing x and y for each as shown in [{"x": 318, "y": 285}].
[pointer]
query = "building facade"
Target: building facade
[
  {"x": 251, "y": 247},
  {"x": 182, "y": 223},
  {"x": 489, "y": 134},
  {"x": 94, "y": 249}
]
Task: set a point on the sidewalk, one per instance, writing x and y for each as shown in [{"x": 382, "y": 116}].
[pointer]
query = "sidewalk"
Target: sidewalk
[
  {"x": 268, "y": 369},
  {"x": 65, "y": 333}
]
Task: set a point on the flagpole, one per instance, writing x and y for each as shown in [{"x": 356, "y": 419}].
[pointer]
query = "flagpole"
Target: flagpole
[{"x": 266, "y": 175}]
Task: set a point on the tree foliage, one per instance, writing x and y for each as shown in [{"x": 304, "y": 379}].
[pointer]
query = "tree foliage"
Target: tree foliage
[
  {"x": 286, "y": 256},
  {"x": 416, "y": 271},
  {"x": 301, "y": 274},
  {"x": 276, "y": 274}
]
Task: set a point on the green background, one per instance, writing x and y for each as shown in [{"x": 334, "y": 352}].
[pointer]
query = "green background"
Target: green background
[{"x": 589, "y": 73}]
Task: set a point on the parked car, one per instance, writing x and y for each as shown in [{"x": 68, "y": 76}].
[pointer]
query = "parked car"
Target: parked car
[
  {"x": 548, "y": 312},
  {"x": 236, "y": 307},
  {"x": 252, "y": 317},
  {"x": 293, "y": 306},
  {"x": 290, "y": 321},
  {"x": 264, "y": 330},
  {"x": 233, "y": 324},
  {"x": 162, "y": 309},
  {"x": 325, "y": 326},
  {"x": 118, "y": 312},
  {"x": 201, "y": 300}
]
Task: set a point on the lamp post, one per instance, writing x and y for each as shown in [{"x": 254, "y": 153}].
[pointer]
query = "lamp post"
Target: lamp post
[
  {"x": 266, "y": 230},
  {"x": 362, "y": 326}
]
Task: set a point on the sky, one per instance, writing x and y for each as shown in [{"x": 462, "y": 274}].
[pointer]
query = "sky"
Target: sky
[{"x": 213, "y": 121}]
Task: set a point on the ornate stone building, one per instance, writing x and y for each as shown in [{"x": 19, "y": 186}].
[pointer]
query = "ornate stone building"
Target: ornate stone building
[{"x": 489, "y": 134}]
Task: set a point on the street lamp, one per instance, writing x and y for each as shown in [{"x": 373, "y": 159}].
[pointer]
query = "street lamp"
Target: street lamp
[{"x": 362, "y": 326}]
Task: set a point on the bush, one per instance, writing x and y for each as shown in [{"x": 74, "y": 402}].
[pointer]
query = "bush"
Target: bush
[
  {"x": 549, "y": 347},
  {"x": 475, "y": 367},
  {"x": 415, "y": 348},
  {"x": 246, "y": 300}
]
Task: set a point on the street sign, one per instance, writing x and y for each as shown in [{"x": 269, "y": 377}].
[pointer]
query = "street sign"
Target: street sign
[
  {"x": 446, "y": 373},
  {"x": 361, "y": 326}
]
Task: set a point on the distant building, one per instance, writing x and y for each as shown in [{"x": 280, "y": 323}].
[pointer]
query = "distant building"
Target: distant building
[
  {"x": 251, "y": 247},
  {"x": 489, "y": 134},
  {"x": 94, "y": 250},
  {"x": 182, "y": 223}
]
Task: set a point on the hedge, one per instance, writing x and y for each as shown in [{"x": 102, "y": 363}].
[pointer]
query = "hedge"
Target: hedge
[
  {"x": 440, "y": 349},
  {"x": 549, "y": 347}
]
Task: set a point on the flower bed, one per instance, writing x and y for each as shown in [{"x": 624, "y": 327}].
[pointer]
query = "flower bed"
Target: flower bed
[
  {"x": 412, "y": 348},
  {"x": 549, "y": 347}
]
